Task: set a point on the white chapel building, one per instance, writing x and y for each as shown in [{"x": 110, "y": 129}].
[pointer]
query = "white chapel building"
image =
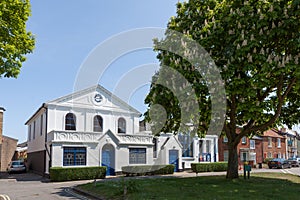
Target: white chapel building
[{"x": 93, "y": 127}]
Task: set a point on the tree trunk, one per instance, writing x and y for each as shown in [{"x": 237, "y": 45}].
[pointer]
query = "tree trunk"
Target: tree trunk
[{"x": 233, "y": 166}]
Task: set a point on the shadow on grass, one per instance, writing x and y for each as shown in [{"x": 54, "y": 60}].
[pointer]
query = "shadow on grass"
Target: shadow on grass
[{"x": 266, "y": 186}]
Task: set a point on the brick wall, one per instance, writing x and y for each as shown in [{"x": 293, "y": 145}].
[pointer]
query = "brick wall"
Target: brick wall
[
  {"x": 8, "y": 148},
  {"x": 1, "y": 124},
  {"x": 36, "y": 162},
  {"x": 272, "y": 151}
]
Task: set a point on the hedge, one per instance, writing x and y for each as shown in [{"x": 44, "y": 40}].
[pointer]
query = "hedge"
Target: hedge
[
  {"x": 76, "y": 173},
  {"x": 209, "y": 167},
  {"x": 142, "y": 170}
]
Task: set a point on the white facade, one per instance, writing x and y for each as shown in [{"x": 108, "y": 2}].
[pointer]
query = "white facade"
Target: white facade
[{"x": 93, "y": 127}]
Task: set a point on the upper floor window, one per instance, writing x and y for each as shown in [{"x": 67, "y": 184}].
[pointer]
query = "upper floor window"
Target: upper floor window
[
  {"x": 269, "y": 142},
  {"x": 29, "y": 132},
  {"x": 244, "y": 140},
  {"x": 225, "y": 139},
  {"x": 252, "y": 144},
  {"x": 70, "y": 122},
  {"x": 121, "y": 125},
  {"x": 98, "y": 123},
  {"x": 278, "y": 142}
]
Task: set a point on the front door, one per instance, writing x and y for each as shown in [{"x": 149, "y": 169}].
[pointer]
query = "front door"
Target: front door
[
  {"x": 173, "y": 159},
  {"x": 108, "y": 157}
]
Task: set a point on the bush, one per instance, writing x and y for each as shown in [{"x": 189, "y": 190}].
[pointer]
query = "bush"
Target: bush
[
  {"x": 76, "y": 173},
  {"x": 266, "y": 160},
  {"x": 209, "y": 167},
  {"x": 142, "y": 170}
]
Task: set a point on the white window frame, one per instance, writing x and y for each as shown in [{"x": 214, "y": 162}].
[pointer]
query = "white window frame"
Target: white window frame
[
  {"x": 252, "y": 144},
  {"x": 269, "y": 155},
  {"x": 244, "y": 140},
  {"x": 269, "y": 141},
  {"x": 278, "y": 143},
  {"x": 225, "y": 139}
]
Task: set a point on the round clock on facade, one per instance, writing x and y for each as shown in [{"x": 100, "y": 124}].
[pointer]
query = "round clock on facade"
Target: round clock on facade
[{"x": 98, "y": 98}]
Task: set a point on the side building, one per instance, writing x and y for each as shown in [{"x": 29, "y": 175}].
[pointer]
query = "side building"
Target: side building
[{"x": 8, "y": 145}]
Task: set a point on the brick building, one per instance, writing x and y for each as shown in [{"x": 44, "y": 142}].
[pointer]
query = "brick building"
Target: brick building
[
  {"x": 256, "y": 149},
  {"x": 7, "y": 146},
  {"x": 274, "y": 144}
]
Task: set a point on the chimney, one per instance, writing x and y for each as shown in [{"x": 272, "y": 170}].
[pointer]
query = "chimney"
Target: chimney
[
  {"x": 1, "y": 123},
  {"x": 283, "y": 130}
]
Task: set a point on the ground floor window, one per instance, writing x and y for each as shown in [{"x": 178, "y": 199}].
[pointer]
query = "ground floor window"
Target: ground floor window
[
  {"x": 74, "y": 156},
  {"x": 137, "y": 156}
]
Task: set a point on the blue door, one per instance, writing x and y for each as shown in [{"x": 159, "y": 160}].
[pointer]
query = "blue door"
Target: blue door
[
  {"x": 108, "y": 159},
  {"x": 173, "y": 159}
]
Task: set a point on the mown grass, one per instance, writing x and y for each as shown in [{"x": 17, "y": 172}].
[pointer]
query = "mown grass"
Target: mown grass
[{"x": 259, "y": 186}]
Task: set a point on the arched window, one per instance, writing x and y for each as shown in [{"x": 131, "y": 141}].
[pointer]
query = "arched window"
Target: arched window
[
  {"x": 121, "y": 125},
  {"x": 98, "y": 123},
  {"x": 70, "y": 122}
]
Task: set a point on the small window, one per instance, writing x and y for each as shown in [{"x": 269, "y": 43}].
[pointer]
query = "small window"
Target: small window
[
  {"x": 121, "y": 125},
  {"x": 74, "y": 156},
  {"x": 252, "y": 144},
  {"x": 29, "y": 132},
  {"x": 225, "y": 139},
  {"x": 244, "y": 140},
  {"x": 278, "y": 143},
  {"x": 41, "y": 128},
  {"x": 34, "y": 129},
  {"x": 70, "y": 122},
  {"x": 154, "y": 147},
  {"x": 269, "y": 142},
  {"x": 137, "y": 156},
  {"x": 270, "y": 155},
  {"x": 98, "y": 124}
]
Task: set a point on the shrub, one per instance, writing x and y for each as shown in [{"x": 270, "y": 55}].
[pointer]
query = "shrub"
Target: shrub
[
  {"x": 142, "y": 170},
  {"x": 266, "y": 160},
  {"x": 76, "y": 173},
  {"x": 209, "y": 167}
]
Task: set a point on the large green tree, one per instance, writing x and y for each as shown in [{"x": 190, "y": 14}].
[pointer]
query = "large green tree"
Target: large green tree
[
  {"x": 15, "y": 41},
  {"x": 255, "y": 46}
]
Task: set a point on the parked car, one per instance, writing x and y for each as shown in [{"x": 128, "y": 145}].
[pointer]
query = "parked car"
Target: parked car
[
  {"x": 279, "y": 163},
  {"x": 294, "y": 162},
  {"x": 16, "y": 166}
]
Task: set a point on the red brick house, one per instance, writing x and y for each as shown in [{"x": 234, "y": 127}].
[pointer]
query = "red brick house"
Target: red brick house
[
  {"x": 274, "y": 144},
  {"x": 256, "y": 149}
]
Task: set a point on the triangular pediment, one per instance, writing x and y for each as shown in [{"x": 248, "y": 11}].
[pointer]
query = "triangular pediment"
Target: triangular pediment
[{"x": 96, "y": 97}]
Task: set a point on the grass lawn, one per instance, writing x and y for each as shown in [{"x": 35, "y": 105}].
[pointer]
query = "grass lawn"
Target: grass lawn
[{"x": 260, "y": 186}]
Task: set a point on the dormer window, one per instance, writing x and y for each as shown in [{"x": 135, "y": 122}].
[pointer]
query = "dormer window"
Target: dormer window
[{"x": 70, "y": 122}]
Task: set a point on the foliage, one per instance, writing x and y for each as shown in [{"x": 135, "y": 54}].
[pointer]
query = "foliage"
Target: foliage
[
  {"x": 15, "y": 41},
  {"x": 76, "y": 173},
  {"x": 209, "y": 167},
  {"x": 142, "y": 170},
  {"x": 255, "y": 45},
  {"x": 266, "y": 160},
  {"x": 259, "y": 186}
]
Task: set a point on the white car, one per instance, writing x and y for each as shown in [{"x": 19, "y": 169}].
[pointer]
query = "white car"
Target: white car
[{"x": 16, "y": 166}]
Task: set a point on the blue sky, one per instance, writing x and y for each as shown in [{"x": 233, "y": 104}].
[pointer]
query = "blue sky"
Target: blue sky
[{"x": 66, "y": 32}]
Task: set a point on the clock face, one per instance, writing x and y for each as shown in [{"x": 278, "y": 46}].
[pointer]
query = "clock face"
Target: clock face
[{"x": 98, "y": 98}]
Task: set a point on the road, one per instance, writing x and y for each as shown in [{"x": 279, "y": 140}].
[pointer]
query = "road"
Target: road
[{"x": 32, "y": 186}]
